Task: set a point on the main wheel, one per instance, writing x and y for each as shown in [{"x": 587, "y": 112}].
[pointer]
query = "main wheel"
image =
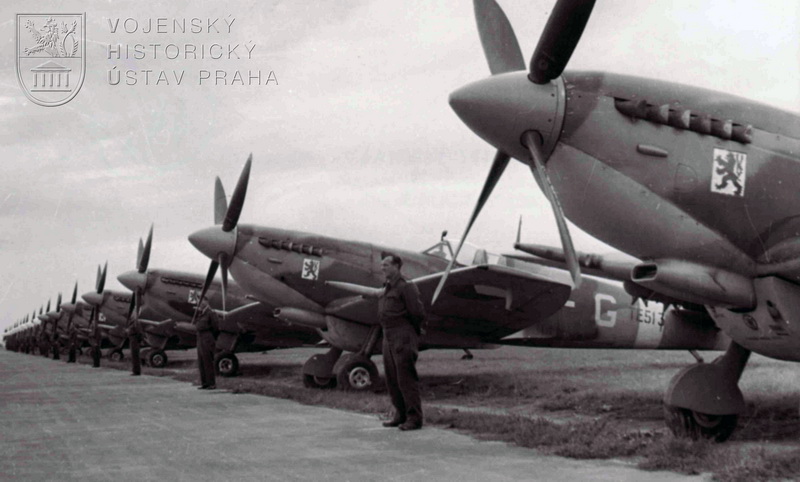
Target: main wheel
[
  {"x": 227, "y": 365},
  {"x": 116, "y": 355},
  {"x": 357, "y": 374},
  {"x": 310, "y": 381},
  {"x": 157, "y": 359},
  {"x": 696, "y": 425}
]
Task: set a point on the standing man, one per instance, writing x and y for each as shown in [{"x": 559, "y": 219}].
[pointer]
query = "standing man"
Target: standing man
[
  {"x": 72, "y": 333},
  {"x": 207, "y": 325},
  {"x": 55, "y": 344},
  {"x": 401, "y": 314},
  {"x": 135, "y": 339},
  {"x": 96, "y": 342}
]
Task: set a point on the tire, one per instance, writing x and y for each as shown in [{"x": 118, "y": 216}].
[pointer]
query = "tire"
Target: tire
[
  {"x": 157, "y": 359},
  {"x": 685, "y": 423},
  {"x": 310, "y": 381},
  {"x": 358, "y": 374},
  {"x": 144, "y": 356},
  {"x": 116, "y": 355},
  {"x": 227, "y": 365}
]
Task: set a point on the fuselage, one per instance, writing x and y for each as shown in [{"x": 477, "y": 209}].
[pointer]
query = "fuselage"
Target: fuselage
[{"x": 660, "y": 171}]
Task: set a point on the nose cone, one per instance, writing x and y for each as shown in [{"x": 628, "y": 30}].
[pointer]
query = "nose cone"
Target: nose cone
[
  {"x": 501, "y": 108},
  {"x": 68, "y": 307},
  {"x": 133, "y": 280},
  {"x": 93, "y": 298},
  {"x": 213, "y": 241}
]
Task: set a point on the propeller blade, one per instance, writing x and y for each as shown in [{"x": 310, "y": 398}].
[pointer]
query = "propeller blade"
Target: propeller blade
[
  {"x": 48, "y": 307},
  {"x": 237, "y": 198},
  {"x": 559, "y": 39},
  {"x": 220, "y": 202},
  {"x": 224, "y": 264},
  {"x": 500, "y": 45},
  {"x": 212, "y": 270},
  {"x": 139, "y": 254},
  {"x": 74, "y": 294},
  {"x": 132, "y": 305},
  {"x": 97, "y": 280},
  {"x": 145, "y": 259},
  {"x": 539, "y": 171},
  {"x": 498, "y": 167},
  {"x": 102, "y": 284},
  {"x": 58, "y": 303}
]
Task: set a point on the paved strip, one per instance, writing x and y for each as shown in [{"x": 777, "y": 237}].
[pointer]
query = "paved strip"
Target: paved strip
[{"x": 74, "y": 422}]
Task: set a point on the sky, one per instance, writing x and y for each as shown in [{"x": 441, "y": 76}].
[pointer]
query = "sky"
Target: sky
[{"x": 352, "y": 137}]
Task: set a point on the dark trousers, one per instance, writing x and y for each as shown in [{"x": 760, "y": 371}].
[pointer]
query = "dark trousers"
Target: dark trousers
[
  {"x": 400, "y": 352},
  {"x": 56, "y": 354},
  {"x": 72, "y": 355},
  {"x": 136, "y": 361},
  {"x": 96, "y": 356},
  {"x": 205, "y": 357}
]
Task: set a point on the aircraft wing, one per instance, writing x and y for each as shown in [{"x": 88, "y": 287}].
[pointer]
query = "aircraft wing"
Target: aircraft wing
[
  {"x": 484, "y": 301},
  {"x": 162, "y": 328}
]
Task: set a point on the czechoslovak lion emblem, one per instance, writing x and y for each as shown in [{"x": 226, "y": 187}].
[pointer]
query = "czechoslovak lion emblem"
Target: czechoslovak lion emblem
[{"x": 51, "y": 56}]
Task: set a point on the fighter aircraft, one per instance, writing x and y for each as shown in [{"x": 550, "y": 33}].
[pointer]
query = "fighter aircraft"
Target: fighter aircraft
[
  {"x": 332, "y": 285},
  {"x": 695, "y": 184},
  {"x": 111, "y": 312},
  {"x": 246, "y": 326}
]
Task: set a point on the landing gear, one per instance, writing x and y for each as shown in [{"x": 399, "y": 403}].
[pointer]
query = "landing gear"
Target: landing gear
[
  {"x": 318, "y": 370},
  {"x": 227, "y": 364},
  {"x": 467, "y": 355},
  {"x": 355, "y": 372},
  {"x": 310, "y": 381},
  {"x": 144, "y": 355},
  {"x": 703, "y": 400},
  {"x": 687, "y": 423},
  {"x": 116, "y": 355},
  {"x": 157, "y": 359}
]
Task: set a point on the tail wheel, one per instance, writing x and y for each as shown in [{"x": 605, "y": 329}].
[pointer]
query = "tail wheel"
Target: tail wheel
[{"x": 696, "y": 425}]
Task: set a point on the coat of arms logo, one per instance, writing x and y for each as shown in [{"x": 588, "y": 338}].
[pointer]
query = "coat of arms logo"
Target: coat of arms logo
[
  {"x": 51, "y": 56},
  {"x": 729, "y": 172}
]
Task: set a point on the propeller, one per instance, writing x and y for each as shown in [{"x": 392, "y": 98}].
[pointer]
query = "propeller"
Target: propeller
[
  {"x": 559, "y": 39},
  {"x": 498, "y": 167},
  {"x": 144, "y": 258},
  {"x": 501, "y": 49},
  {"x": 73, "y": 306},
  {"x": 220, "y": 202},
  {"x": 532, "y": 142},
  {"x": 237, "y": 198},
  {"x": 218, "y": 246},
  {"x": 499, "y": 42}
]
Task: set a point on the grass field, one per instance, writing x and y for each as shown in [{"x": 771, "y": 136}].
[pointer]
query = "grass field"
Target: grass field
[{"x": 574, "y": 403}]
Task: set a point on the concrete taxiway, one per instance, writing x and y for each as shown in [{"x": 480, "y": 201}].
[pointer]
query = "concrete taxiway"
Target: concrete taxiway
[{"x": 75, "y": 422}]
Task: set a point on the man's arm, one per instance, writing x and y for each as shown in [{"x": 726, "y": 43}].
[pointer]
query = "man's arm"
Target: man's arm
[{"x": 414, "y": 304}]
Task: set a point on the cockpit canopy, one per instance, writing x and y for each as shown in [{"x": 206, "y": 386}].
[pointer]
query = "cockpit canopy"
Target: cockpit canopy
[{"x": 469, "y": 255}]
